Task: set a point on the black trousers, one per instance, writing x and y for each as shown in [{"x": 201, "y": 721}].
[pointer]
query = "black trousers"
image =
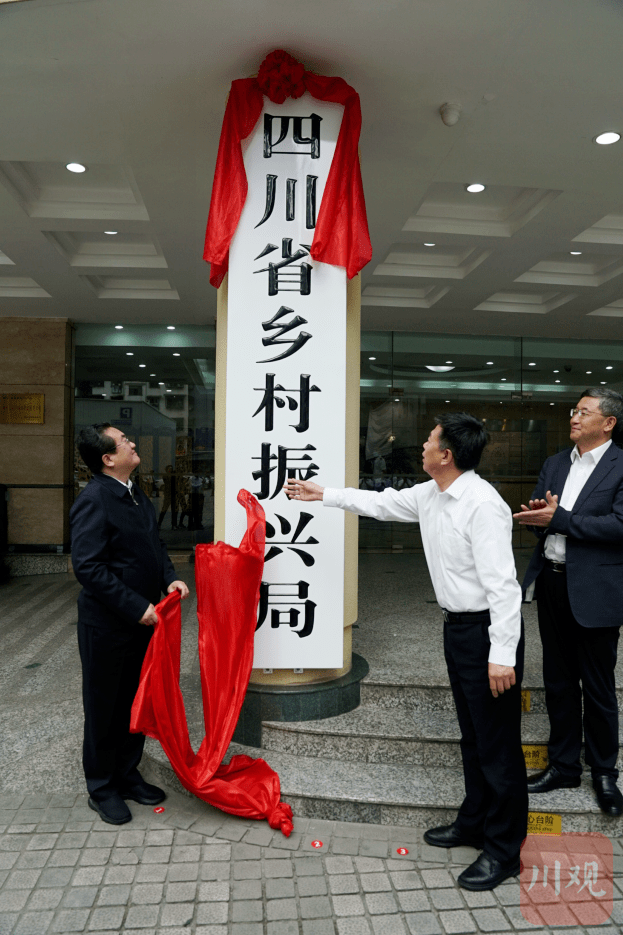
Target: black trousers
[
  {"x": 496, "y": 800},
  {"x": 111, "y": 669},
  {"x": 578, "y": 663}
]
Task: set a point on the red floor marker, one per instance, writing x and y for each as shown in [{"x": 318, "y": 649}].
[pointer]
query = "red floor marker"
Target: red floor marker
[
  {"x": 316, "y": 843},
  {"x": 159, "y": 810},
  {"x": 403, "y": 851}
]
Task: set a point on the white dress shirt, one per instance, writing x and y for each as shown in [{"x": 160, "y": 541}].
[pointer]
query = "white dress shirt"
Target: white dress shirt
[
  {"x": 123, "y": 483},
  {"x": 466, "y": 531},
  {"x": 582, "y": 466}
]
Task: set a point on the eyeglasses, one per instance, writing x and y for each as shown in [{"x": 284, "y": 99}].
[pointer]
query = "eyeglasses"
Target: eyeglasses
[
  {"x": 124, "y": 441},
  {"x": 583, "y": 413}
]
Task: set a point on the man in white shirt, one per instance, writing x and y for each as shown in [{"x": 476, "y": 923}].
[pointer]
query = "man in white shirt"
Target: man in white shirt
[
  {"x": 466, "y": 531},
  {"x": 577, "y": 512}
]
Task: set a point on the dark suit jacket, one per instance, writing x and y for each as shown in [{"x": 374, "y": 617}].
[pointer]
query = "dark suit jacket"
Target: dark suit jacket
[
  {"x": 117, "y": 554},
  {"x": 594, "y": 531}
]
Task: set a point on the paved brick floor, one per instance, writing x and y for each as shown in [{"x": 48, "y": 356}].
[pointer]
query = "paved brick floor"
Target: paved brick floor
[{"x": 192, "y": 869}]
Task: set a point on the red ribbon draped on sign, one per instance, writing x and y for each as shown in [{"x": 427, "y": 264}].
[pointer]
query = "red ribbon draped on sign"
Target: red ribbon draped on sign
[
  {"x": 228, "y": 582},
  {"x": 341, "y": 237}
]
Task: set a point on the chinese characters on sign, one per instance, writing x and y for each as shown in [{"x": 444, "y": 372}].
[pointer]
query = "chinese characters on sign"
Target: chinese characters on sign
[
  {"x": 286, "y": 383},
  {"x": 566, "y": 879}
]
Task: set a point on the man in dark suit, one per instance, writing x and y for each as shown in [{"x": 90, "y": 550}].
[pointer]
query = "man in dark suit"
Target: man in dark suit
[
  {"x": 577, "y": 567},
  {"x": 123, "y": 568}
]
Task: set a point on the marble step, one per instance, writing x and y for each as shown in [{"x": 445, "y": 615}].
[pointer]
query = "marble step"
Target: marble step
[
  {"x": 390, "y": 794},
  {"x": 433, "y": 695},
  {"x": 401, "y": 736}
]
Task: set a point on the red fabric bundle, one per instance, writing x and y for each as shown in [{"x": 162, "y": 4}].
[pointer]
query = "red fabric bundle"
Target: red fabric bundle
[
  {"x": 341, "y": 237},
  {"x": 228, "y": 582}
]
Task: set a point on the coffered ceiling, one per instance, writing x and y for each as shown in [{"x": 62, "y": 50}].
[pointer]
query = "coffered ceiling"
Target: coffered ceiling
[{"x": 135, "y": 90}]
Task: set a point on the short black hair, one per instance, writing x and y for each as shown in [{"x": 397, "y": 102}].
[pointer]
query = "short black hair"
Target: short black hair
[
  {"x": 465, "y": 436},
  {"x": 93, "y": 443},
  {"x": 610, "y": 404}
]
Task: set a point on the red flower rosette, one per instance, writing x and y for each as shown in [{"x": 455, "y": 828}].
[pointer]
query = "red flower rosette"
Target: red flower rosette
[{"x": 281, "y": 76}]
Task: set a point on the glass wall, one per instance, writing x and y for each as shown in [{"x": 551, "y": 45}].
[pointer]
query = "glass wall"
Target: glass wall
[
  {"x": 522, "y": 388},
  {"x": 156, "y": 384}
]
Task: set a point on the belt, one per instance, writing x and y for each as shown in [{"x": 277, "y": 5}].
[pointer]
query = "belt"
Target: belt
[
  {"x": 560, "y": 567},
  {"x": 467, "y": 616}
]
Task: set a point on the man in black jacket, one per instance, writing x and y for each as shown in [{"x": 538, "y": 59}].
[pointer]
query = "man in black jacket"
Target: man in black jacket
[
  {"x": 123, "y": 568},
  {"x": 577, "y": 512}
]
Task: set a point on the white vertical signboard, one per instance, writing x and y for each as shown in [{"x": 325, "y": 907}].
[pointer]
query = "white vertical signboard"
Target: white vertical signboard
[{"x": 286, "y": 359}]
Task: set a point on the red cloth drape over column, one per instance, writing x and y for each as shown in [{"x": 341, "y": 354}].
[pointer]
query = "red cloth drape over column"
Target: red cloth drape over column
[
  {"x": 341, "y": 237},
  {"x": 228, "y": 581}
]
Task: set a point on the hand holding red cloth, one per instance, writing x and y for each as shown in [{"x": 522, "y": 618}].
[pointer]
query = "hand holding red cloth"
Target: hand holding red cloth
[{"x": 228, "y": 581}]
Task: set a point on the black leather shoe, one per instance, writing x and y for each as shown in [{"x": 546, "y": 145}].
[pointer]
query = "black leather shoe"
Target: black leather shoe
[
  {"x": 450, "y": 836},
  {"x": 144, "y": 793},
  {"x": 113, "y": 810},
  {"x": 486, "y": 873},
  {"x": 550, "y": 779},
  {"x": 608, "y": 795}
]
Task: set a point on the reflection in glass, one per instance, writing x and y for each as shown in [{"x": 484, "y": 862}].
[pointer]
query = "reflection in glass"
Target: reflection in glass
[{"x": 166, "y": 408}]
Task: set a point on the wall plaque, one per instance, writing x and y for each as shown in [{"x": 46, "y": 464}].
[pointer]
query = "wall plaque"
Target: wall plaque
[{"x": 22, "y": 408}]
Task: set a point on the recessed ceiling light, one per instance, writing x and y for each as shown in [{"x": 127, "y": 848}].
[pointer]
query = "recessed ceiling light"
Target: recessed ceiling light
[
  {"x": 532, "y": 365},
  {"x": 589, "y": 371},
  {"x": 556, "y": 371},
  {"x": 168, "y": 391},
  {"x": 552, "y": 404},
  {"x": 430, "y": 244},
  {"x": 170, "y": 327},
  {"x": 371, "y": 358},
  {"x": 604, "y": 139},
  {"x": 501, "y": 403},
  {"x": 503, "y": 379},
  {"x": 556, "y": 381},
  {"x": 111, "y": 233},
  {"x": 176, "y": 354},
  {"x": 129, "y": 353},
  {"x": 152, "y": 374},
  {"x": 76, "y": 167},
  {"x": 609, "y": 367},
  {"x": 447, "y": 400},
  {"x": 442, "y": 369},
  {"x": 396, "y": 400},
  {"x": 603, "y": 382},
  {"x": 160, "y": 383},
  {"x": 574, "y": 253},
  {"x": 449, "y": 361},
  {"x": 142, "y": 365},
  {"x": 119, "y": 327},
  {"x": 489, "y": 363},
  {"x": 475, "y": 187}
]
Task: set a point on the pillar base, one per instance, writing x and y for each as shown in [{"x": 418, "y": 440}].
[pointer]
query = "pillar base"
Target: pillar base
[{"x": 298, "y": 702}]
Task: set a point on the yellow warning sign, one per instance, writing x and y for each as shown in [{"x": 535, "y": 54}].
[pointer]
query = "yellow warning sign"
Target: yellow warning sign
[
  {"x": 544, "y": 823},
  {"x": 525, "y": 700},
  {"x": 535, "y": 755}
]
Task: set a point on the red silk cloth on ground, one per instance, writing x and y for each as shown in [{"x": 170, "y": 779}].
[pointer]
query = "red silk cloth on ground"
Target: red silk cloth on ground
[
  {"x": 341, "y": 237},
  {"x": 228, "y": 582}
]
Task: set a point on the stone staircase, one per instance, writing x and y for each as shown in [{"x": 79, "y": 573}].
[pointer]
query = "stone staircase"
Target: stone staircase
[{"x": 394, "y": 760}]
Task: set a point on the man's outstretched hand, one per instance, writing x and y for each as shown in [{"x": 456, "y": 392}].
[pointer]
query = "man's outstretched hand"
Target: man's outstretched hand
[
  {"x": 500, "y": 678},
  {"x": 150, "y": 617},
  {"x": 538, "y": 512},
  {"x": 180, "y": 586},
  {"x": 303, "y": 490}
]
